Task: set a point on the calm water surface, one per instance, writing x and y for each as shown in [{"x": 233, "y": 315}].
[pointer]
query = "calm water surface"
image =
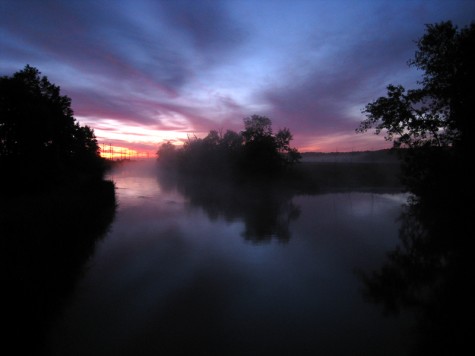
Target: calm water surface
[{"x": 174, "y": 276}]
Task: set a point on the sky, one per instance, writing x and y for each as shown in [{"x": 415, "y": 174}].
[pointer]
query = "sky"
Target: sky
[{"x": 142, "y": 72}]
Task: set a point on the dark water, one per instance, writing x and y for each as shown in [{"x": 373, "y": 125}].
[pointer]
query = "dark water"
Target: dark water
[{"x": 179, "y": 273}]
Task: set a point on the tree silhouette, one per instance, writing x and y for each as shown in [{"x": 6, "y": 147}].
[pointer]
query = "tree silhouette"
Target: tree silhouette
[
  {"x": 54, "y": 204},
  {"x": 428, "y": 270},
  {"x": 253, "y": 151},
  {"x": 38, "y": 130},
  {"x": 167, "y": 154},
  {"x": 256, "y": 128},
  {"x": 438, "y": 113},
  {"x": 435, "y": 121}
]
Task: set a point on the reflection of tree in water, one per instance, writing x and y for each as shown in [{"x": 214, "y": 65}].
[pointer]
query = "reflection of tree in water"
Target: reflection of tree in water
[
  {"x": 428, "y": 271},
  {"x": 265, "y": 208},
  {"x": 269, "y": 216},
  {"x": 46, "y": 238}
]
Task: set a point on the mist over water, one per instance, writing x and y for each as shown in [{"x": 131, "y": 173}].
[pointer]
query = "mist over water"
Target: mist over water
[{"x": 250, "y": 273}]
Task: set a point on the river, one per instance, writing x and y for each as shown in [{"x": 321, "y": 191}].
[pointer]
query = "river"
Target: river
[{"x": 180, "y": 274}]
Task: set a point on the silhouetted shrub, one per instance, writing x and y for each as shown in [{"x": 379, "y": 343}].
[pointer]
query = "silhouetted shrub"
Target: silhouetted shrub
[{"x": 255, "y": 151}]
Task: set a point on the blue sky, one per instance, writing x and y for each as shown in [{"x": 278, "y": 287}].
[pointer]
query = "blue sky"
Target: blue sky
[{"x": 142, "y": 71}]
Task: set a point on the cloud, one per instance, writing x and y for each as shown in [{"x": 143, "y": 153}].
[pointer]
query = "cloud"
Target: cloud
[
  {"x": 325, "y": 98},
  {"x": 192, "y": 66},
  {"x": 206, "y": 25}
]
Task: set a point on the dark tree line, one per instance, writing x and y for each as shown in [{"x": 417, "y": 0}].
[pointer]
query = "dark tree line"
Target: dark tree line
[
  {"x": 39, "y": 137},
  {"x": 430, "y": 271},
  {"x": 54, "y": 204},
  {"x": 439, "y": 113},
  {"x": 435, "y": 121},
  {"x": 255, "y": 151}
]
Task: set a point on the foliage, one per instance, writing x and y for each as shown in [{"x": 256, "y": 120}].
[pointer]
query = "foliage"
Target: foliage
[
  {"x": 38, "y": 130},
  {"x": 54, "y": 204},
  {"x": 436, "y": 114},
  {"x": 427, "y": 271},
  {"x": 255, "y": 150},
  {"x": 256, "y": 128}
]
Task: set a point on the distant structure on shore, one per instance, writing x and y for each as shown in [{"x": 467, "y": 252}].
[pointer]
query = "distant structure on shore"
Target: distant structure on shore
[{"x": 118, "y": 153}]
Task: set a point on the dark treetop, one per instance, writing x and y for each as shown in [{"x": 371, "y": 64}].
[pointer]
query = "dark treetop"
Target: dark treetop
[
  {"x": 39, "y": 137},
  {"x": 439, "y": 113},
  {"x": 255, "y": 151},
  {"x": 430, "y": 270}
]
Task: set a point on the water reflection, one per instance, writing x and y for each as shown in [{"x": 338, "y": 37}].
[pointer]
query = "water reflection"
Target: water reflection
[
  {"x": 265, "y": 208},
  {"x": 172, "y": 278},
  {"x": 428, "y": 272}
]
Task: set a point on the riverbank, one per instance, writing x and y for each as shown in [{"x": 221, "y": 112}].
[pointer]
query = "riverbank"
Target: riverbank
[
  {"x": 315, "y": 177},
  {"x": 46, "y": 238}
]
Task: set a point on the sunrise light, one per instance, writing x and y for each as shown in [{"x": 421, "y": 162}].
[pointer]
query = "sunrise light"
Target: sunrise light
[{"x": 122, "y": 153}]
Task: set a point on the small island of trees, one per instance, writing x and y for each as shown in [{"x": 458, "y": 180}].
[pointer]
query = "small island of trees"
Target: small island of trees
[{"x": 255, "y": 151}]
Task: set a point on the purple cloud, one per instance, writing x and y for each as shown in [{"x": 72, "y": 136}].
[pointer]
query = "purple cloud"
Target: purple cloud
[{"x": 192, "y": 66}]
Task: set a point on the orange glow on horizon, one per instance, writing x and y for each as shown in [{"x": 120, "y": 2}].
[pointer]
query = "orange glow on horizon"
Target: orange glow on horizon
[
  {"x": 118, "y": 152},
  {"x": 124, "y": 151},
  {"x": 145, "y": 149}
]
